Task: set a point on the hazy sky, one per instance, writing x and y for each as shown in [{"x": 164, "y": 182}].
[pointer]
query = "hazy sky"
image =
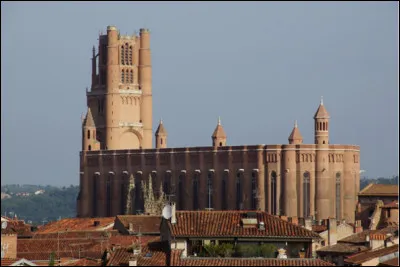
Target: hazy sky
[{"x": 258, "y": 65}]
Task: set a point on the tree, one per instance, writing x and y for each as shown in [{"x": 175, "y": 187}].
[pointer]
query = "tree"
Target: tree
[{"x": 52, "y": 258}]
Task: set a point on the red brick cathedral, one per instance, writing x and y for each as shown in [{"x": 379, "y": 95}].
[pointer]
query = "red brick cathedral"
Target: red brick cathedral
[{"x": 293, "y": 179}]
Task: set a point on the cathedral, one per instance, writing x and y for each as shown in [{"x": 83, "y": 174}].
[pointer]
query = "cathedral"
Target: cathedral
[{"x": 295, "y": 179}]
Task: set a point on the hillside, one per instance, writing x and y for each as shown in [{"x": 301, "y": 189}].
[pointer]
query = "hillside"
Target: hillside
[{"x": 48, "y": 205}]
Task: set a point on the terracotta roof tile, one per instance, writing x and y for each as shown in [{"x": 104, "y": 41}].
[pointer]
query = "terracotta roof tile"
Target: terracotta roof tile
[
  {"x": 228, "y": 224},
  {"x": 319, "y": 228},
  {"x": 346, "y": 248},
  {"x": 380, "y": 190},
  {"x": 361, "y": 237},
  {"x": 371, "y": 254},
  {"x": 147, "y": 224},
  {"x": 252, "y": 262},
  {"x": 394, "y": 204},
  {"x": 8, "y": 261},
  {"x": 17, "y": 227},
  {"x": 83, "y": 262},
  {"x": 78, "y": 224}
]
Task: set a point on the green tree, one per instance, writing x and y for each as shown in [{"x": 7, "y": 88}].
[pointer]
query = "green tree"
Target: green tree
[{"x": 52, "y": 258}]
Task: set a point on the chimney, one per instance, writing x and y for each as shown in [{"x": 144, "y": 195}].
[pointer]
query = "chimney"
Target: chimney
[
  {"x": 173, "y": 217},
  {"x": 332, "y": 233},
  {"x": 357, "y": 226},
  {"x": 131, "y": 227},
  {"x": 308, "y": 223},
  {"x": 96, "y": 223},
  {"x": 261, "y": 226},
  {"x": 295, "y": 220},
  {"x": 284, "y": 218}
]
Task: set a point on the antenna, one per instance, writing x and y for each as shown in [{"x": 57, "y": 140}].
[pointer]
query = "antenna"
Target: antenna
[
  {"x": 167, "y": 212},
  {"x": 3, "y": 225}
]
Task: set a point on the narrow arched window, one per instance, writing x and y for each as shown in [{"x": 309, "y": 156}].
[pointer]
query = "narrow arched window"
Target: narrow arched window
[
  {"x": 88, "y": 134},
  {"x": 306, "y": 194},
  {"x": 338, "y": 209},
  {"x": 108, "y": 194},
  {"x": 96, "y": 178},
  {"x": 126, "y": 54},
  {"x": 209, "y": 190},
  {"x": 238, "y": 191},
  {"x": 131, "y": 76},
  {"x": 273, "y": 193},
  {"x": 223, "y": 191},
  {"x": 161, "y": 140},
  {"x": 89, "y": 147},
  {"x": 122, "y": 76},
  {"x": 196, "y": 191},
  {"x": 254, "y": 190},
  {"x": 180, "y": 192},
  {"x": 167, "y": 183},
  {"x": 122, "y": 55},
  {"x": 130, "y": 56}
]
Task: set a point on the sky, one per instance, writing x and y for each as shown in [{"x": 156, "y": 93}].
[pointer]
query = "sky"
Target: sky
[{"x": 258, "y": 65}]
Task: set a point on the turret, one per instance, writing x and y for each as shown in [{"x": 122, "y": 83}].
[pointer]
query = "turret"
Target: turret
[
  {"x": 321, "y": 119},
  {"x": 161, "y": 136},
  {"x": 325, "y": 196},
  {"x": 219, "y": 136},
  {"x": 89, "y": 141},
  {"x": 145, "y": 77},
  {"x": 295, "y": 137}
]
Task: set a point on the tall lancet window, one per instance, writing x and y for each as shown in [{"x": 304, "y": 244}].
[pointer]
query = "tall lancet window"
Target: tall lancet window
[
  {"x": 96, "y": 178},
  {"x": 108, "y": 194},
  {"x": 209, "y": 190},
  {"x": 126, "y": 54},
  {"x": 238, "y": 191},
  {"x": 131, "y": 76},
  {"x": 306, "y": 194},
  {"x": 122, "y": 76},
  {"x": 196, "y": 191},
  {"x": 254, "y": 190},
  {"x": 338, "y": 210},
  {"x": 124, "y": 191},
  {"x": 224, "y": 201},
  {"x": 180, "y": 191},
  {"x": 167, "y": 183},
  {"x": 273, "y": 193},
  {"x": 130, "y": 56},
  {"x": 122, "y": 55},
  {"x": 139, "y": 202}
]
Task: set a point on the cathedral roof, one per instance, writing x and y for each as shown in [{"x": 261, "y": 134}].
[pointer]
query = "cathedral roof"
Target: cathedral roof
[
  {"x": 219, "y": 132},
  {"x": 295, "y": 135},
  {"x": 161, "y": 129},
  {"x": 321, "y": 113},
  {"x": 89, "y": 121}
]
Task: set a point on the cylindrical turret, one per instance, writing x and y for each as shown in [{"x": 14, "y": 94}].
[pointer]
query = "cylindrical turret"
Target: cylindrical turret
[
  {"x": 145, "y": 77},
  {"x": 219, "y": 135},
  {"x": 161, "y": 136},
  {"x": 288, "y": 174},
  {"x": 324, "y": 196},
  {"x": 112, "y": 114}
]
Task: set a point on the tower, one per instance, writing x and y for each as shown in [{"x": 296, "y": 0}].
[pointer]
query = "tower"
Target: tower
[
  {"x": 295, "y": 137},
  {"x": 121, "y": 93},
  {"x": 89, "y": 141},
  {"x": 219, "y": 136},
  {"x": 161, "y": 136},
  {"x": 324, "y": 184}
]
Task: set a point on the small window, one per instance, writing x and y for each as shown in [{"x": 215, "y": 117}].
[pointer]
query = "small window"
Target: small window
[
  {"x": 323, "y": 142},
  {"x": 161, "y": 140},
  {"x": 220, "y": 143},
  {"x": 89, "y": 147},
  {"x": 88, "y": 134}
]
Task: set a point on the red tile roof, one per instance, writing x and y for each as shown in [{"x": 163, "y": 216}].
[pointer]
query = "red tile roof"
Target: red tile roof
[
  {"x": 394, "y": 204},
  {"x": 82, "y": 262},
  {"x": 8, "y": 261},
  {"x": 361, "y": 237},
  {"x": 78, "y": 224},
  {"x": 371, "y": 254},
  {"x": 228, "y": 224},
  {"x": 146, "y": 223},
  {"x": 319, "y": 228},
  {"x": 251, "y": 262},
  {"x": 17, "y": 227},
  {"x": 380, "y": 190}
]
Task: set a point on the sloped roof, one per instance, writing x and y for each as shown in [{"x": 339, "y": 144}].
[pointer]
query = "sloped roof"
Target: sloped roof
[
  {"x": 78, "y": 224},
  {"x": 219, "y": 132},
  {"x": 380, "y": 190},
  {"x": 392, "y": 205},
  {"x": 391, "y": 262},
  {"x": 161, "y": 129},
  {"x": 17, "y": 227},
  {"x": 251, "y": 262},
  {"x": 82, "y": 262},
  {"x": 89, "y": 121},
  {"x": 371, "y": 254},
  {"x": 295, "y": 134},
  {"x": 321, "y": 113},
  {"x": 8, "y": 261},
  {"x": 347, "y": 248},
  {"x": 228, "y": 224},
  {"x": 145, "y": 223}
]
